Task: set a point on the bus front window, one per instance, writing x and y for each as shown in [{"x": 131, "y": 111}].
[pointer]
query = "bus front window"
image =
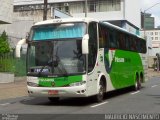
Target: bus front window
[{"x": 56, "y": 57}]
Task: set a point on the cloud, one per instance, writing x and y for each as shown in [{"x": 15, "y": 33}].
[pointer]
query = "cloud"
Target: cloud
[
  {"x": 157, "y": 20},
  {"x": 145, "y": 4}
]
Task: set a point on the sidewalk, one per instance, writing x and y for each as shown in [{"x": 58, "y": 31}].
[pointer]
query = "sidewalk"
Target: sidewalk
[
  {"x": 13, "y": 90},
  {"x": 19, "y": 88},
  {"x": 152, "y": 73}
]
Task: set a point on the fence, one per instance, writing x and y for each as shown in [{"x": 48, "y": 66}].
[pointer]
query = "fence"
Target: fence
[{"x": 10, "y": 64}]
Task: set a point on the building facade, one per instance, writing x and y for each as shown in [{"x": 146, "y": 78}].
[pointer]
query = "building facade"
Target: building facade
[
  {"x": 155, "y": 38},
  {"x": 6, "y": 10},
  {"x": 123, "y": 13},
  {"x": 147, "y": 22},
  {"x": 105, "y": 10}
]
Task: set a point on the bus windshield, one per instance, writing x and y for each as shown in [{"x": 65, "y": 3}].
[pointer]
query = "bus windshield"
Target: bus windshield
[
  {"x": 58, "y": 31},
  {"x": 55, "y": 58},
  {"x": 56, "y": 49}
]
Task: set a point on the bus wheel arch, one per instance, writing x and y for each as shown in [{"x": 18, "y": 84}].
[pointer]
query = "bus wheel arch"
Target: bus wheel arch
[
  {"x": 103, "y": 79},
  {"x": 101, "y": 88},
  {"x": 141, "y": 77}
]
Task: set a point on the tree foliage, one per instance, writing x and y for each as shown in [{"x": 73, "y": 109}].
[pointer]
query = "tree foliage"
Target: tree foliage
[{"x": 4, "y": 45}]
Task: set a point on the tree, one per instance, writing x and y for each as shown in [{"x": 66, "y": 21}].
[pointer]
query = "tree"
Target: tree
[{"x": 4, "y": 45}]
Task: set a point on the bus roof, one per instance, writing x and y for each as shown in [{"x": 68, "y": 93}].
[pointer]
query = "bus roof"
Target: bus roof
[
  {"x": 65, "y": 20},
  {"x": 119, "y": 29}
]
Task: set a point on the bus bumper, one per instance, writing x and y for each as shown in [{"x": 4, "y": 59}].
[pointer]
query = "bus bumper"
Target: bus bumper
[{"x": 76, "y": 91}]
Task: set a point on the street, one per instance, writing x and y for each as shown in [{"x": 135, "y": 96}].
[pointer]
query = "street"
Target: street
[{"x": 125, "y": 101}]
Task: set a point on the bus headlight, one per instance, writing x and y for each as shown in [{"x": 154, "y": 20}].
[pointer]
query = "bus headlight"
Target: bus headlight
[
  {"x": 32, "y": 84},
  {"x": 77, "y": 83}
]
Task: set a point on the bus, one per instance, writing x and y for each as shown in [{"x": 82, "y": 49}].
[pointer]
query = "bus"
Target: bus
[{"x": 82, "y": 57}]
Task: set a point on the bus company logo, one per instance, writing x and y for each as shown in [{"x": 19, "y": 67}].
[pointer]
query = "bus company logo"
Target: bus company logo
[
  {"x": 52, "y": 84},
  {"x": 122, "y": 60},
  {"x": 119, "y": 59}
]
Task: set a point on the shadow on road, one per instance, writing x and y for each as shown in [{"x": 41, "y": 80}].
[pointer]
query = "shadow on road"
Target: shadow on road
[{"x": 74, "y": 101}]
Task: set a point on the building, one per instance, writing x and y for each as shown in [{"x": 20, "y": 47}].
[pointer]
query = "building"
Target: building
[
  {"x": 6, "y": 9},
  {"x": 147, "y": 22},
  {"x": 114, "y": 11},
  {"x": 155, "y": 37},
  {"x": 118, "y": 12},
  {"x": 153, "y": 41}
]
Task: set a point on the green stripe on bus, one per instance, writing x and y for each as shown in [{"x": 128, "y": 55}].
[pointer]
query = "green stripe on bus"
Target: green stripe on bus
[{"x": 58, "y": 81}]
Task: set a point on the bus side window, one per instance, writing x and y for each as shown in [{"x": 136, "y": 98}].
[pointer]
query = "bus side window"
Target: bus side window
[
  {"x": 138, "y": 44},
  {"x": 133, "y": 46},
  {"x": 143, "y": 46},
  {"x": 103, "y": 37},
  {"x": 93, "y": 46},
  {"x": 127, "y": 42},
  {"x": 117, "y": 40},
  {"x": 112, "y": 39},
  {"x": 121, "y": 42}
]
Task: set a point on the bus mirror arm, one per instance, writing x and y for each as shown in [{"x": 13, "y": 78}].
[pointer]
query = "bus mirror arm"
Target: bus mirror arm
[
  {"x": 18, "y": 47},
  {"x": 85, "y": 49}
]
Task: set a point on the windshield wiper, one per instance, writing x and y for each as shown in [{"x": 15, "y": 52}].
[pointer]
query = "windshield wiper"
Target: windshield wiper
[{"x": 58, "y": 64}]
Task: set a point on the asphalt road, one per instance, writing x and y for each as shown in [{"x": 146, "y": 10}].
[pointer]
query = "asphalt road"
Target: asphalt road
[{"x": 126, "y": 101}]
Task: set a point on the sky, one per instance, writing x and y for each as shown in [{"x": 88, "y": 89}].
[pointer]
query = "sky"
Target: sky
[{"x": 155, "y": 10}]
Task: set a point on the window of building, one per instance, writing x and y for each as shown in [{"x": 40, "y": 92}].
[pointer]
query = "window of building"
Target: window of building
[
  {"x": 156, "y": 33},
  {"x": 67, "y": 9},
  {"x": 92, "y": 6},
  {"x": 109, "y": 5},
  {"x": 77, "y": 7},
  {"x": 156, "y": 38}
]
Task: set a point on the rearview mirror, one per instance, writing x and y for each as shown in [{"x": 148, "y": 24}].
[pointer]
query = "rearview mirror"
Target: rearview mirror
[
  {"x": 18, "y": 47},
  {"x": 85, "y": 48}
]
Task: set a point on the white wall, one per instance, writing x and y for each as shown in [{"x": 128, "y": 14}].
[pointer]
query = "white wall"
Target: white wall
[
  {"x": 113, "y": 15},
  {"x": 17, "y": 30},
  {"x": 6, "y": 10},
  {"x": 132, "y": 12},
  {"x": 155, "y": 50}
]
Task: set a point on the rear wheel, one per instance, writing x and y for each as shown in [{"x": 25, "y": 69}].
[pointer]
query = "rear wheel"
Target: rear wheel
[
  {"x": 53, "y": 99},
  {"x": 99, "y": 97},
  {"x": 137, "y": 85}
]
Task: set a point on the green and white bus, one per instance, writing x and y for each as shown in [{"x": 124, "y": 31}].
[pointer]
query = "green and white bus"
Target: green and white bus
[{"x": 82, "y": 57}]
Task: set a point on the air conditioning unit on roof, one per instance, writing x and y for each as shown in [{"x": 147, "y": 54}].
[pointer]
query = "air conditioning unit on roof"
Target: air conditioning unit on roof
[{"x": 66, "y": 4}]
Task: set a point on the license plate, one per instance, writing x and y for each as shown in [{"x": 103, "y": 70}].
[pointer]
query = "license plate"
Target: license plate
[{"x": 53, "y": 92}]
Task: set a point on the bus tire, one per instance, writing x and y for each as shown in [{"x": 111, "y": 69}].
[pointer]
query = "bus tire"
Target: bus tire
[
  {"x": 137, "y": 85},
  {"x": 53, "y": 99},
  {"x": 99, "y": 97}
]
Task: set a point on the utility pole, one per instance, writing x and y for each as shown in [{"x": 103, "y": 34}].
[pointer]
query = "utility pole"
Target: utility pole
[
  {"x": 86, "y": 8},
  {"x": 45, "y": 10}
]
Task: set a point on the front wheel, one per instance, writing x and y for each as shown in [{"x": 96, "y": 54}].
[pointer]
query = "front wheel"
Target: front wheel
[
  {"x": 53, "y": 99},
  {"x": 99, "y": 97}
]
